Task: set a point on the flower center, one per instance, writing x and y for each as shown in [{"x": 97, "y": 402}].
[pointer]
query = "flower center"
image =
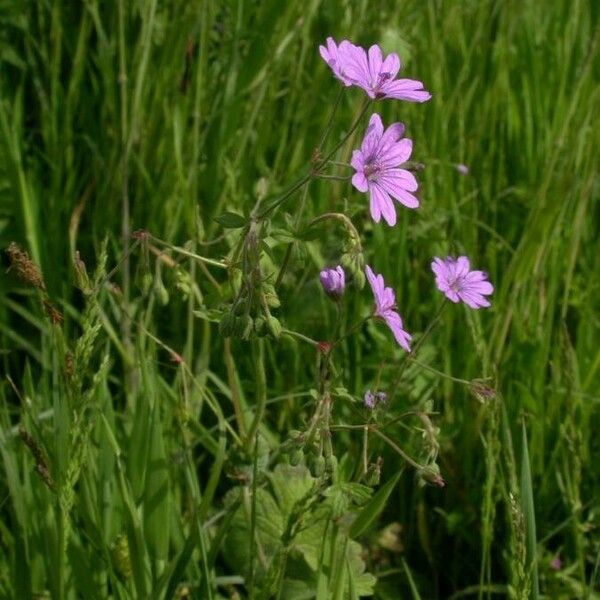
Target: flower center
[
  {"x": 372, "y": 170},
  {"x": 381, "y": 80},
  {"x": 456, "y": 285}
]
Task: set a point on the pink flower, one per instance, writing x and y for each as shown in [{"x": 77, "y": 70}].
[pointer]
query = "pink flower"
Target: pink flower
[
  {"x": 372, "y": 72},
  {"x": 377, "y": 169},
  {"x": 385, "y": 308},
  {"x": 333, "y": 281},
  {"x": 332, "y": 55},
  {"x": 455, "y": 278}
]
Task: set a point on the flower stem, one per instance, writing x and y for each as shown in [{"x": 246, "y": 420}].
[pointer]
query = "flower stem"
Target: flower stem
[
  {"x": 397, "y": 448},
  {"x": 417, "y": 347},
  {"x": 300, "y": 336},
  {"x": 327, "y": 129},
  {"x": 184, "y": 252},
  {"x": 318, "y": 168},
  {"x": 261, "y": 392},
  {"x": 350, "y": 331}
]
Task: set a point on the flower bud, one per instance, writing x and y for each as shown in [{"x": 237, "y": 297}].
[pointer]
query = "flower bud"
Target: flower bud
[
  {"x": 161, "y": 291},
  {"x": 244, "y": 326},
  {"x": 373, "y": 474},
  {"x": 296, "y": 457},
  {"x": 331, "y": 464},
  {"x": 271, "y": 295},
  {"x": 431, "y": 474},
  {"x": 260, "y": 326},
  {"x": 274, "y": 326},
  {"x": 333, "y": 281},
  {"x": 316, "y": 466},
  {"x": 147, "y": 281}
]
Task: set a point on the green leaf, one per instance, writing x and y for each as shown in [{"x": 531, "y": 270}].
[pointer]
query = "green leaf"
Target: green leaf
[
  {"x": 371, "y": 511},
  {"x": 231, "y": 220},
  {"x": 529, "y": 516}
]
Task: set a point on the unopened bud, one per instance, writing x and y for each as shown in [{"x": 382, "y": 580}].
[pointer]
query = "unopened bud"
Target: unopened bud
[
  {"x": 331, "y": 464},
  {"x": 373, "y": 475},
  {"x": 274, "y": 326},
  {"x": 161, "y": 291},
  {"x": 431, "y": 474},
  {"x": 296, "y": 457},
  {"x": 333, "y": 281},
  {"x": 271, "y": 296},
  {"x": 317, "y": 466},
  {"x": 260, "y": 326},
  {"x": 482, "y": 392},
  {"x": 147, "y": 281}
]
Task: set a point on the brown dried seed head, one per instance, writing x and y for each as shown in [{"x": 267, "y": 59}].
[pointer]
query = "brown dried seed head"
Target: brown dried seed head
[
  {"x": 52, "y": 312},
  {"x": 26, "y": 269}
]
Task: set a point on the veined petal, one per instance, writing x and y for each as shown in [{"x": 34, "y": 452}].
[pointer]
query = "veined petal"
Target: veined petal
[
  {"x": 375, "y": 62},
  {"x": 391, "y": 135},
  {"x": 359, "y": 181},
  {"x": 394, "y": 322},
  {"x": 405, "y": 179},
  {"x": 397, "y": 153},
  {"x": 356, "y": 65},
  {"x": 474, "y": 276},
  {"x": 358, "y": 160},
  {"x": 374, "y": 207},
  {"x": 406, "y": 89},
  {"x": 391, "y": 65},
  {"x": 386, "y": 206},
  {"x": 375, "y": 126},
  {"x": 463, "y": 266},
  {"x": 481, "y": 287}
]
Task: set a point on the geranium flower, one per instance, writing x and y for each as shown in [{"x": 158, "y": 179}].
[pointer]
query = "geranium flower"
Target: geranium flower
[
  {"x": 385, "y": 308},
  {"x": 371, "y": 400},
  {"x": 333, "y": 281},
  {"x": 372, "y": 72},
  {"x": 455, "y": 278},
  {"x": 377, "y": 166}
]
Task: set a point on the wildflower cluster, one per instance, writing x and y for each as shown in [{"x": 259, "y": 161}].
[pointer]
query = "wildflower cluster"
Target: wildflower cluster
[{"x": 382, "y": 170}]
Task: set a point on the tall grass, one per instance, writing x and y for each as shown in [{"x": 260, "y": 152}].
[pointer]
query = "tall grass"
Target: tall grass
[{"x": 120, "y": 116}]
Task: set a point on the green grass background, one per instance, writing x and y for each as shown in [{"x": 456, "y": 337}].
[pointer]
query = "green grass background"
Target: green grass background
[{"x": 122, "y": 115}]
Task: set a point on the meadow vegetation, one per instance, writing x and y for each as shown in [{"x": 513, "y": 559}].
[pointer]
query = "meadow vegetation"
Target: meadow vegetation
[{"x": 146, "y": 454}]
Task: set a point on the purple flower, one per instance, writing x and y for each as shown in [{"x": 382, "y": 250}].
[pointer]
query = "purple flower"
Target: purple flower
[
  {"x": 556, "y": 563},
  {"x": 371, "y": 400},
  {"x": 334, "y": 55},
  {"x": 333, "y": 281},
  {"x": 455, "y": 278},
  {"x": 385, "y": 305},
  {"x": 371, "y": 71},
  {"x": 377, "y": 169},
  {"x": 462, "y": 169}
]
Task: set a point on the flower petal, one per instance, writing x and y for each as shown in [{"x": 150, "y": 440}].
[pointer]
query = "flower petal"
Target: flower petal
[
  {"x": 375, "y": 62},
  {"x": 359, "y": 181},
  {"x": 391, "y": 65},
  {"x": 386, "y": 206},
  {"x": 406, "y": 89},
  {"x": 395, "y": 154},
  {"x": 394, "y": 322},
  {"x": 374, "y": 207},
  {"x": 358, "y": 160}
]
